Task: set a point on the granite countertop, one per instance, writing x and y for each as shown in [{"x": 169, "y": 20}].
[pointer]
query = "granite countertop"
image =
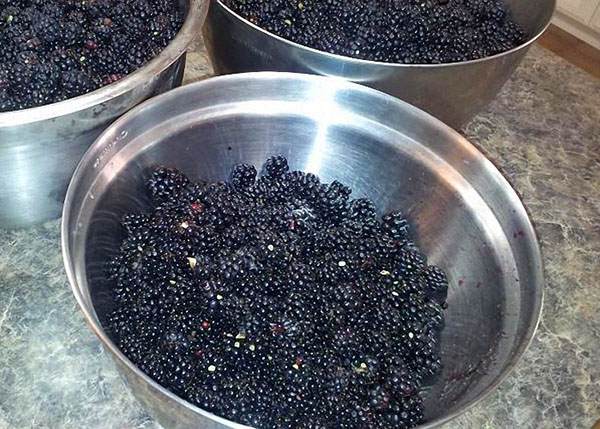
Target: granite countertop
[{"x": 543, "y": 131}]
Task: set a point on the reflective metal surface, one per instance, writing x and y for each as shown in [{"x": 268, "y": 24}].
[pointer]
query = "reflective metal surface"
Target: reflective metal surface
[
  {"x": 467, "y": 217},
  {"x": 453, "y": 93},
  {"x": 40, "y": 147}
]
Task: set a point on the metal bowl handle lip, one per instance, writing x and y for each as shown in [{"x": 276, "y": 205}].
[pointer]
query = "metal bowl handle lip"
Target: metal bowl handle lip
[
  {"x": 357, "y": 61},
  {"x": 169, "y": 55},
  {"x": 108, "y": 344}
]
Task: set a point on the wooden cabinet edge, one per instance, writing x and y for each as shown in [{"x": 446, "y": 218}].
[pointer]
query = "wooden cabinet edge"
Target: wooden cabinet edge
[{"x": 576, "y": 28}]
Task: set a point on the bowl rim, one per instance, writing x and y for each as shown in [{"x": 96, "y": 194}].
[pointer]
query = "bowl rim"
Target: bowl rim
[
  {"x": 357, "y": 61},
  {"x": 196, "y": 13},
  {"x": 537, "y": 262}
]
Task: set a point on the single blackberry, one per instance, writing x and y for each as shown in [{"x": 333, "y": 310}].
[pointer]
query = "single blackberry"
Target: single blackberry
[
  {"x": 276, "y": 166},
  {"x": 48, "y": 31},
  {"x": 436, "y": 283},
  {"x": 166, "y": 182},
  {"x": 409, "y": 412},
  {"x": 410, "y": 262},
  {"x": 401, "y": 382},
  {"x": 133, "y": 222},
  {"x": 243, "y": 176},
  {"x": 426, "y": 365},
  {"x": 396, "y": 225},
  {"x": 303, "y": 185},
  {"x": 76, "y": 82},
  {"x": 434, "y": 315},
  {"x": 72, "y": 32},
  {"x": 332, "y": 203},
  {"x": 338, "y": 190},
  {"x": 363, "y": 209}
]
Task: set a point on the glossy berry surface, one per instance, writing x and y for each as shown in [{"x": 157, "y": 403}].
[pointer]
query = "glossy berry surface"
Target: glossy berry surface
[
  {"x": 397, "y": 31},
  {"x": 278, "y": 301},
  {"x": 53, "y": 50}
]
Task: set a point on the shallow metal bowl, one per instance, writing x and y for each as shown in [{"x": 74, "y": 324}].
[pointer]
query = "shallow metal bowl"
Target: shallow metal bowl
[
  {"x": 452, "y": 92},
  {"x": 40, "y": 147},
  {"x": 467, "y": 217}
]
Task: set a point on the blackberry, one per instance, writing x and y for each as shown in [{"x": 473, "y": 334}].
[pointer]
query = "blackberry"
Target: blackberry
[
  {"x": 277, "y": 302},
  {"x": 436, "y": 283},
  {"x": 435, "y": 279},
  {"x": 411, "y": 262},
  {"x": 396, "y": 225},
  {"x": 133, "y": 222},
  {"x": 434, "y": 315},
  {"x": 304, "y": 185},
  {"x": 401, "y": 382},
  {"x": 363, "y": 209},
  {"x": 72, "y": 32},
  {"x": 410, "y": 411},
  {"x": 243, "y": 176},
  {"x": 276, "y": 166},
  {"x": 47, "y": 31},
  {"x": 75, "y": 82},
  {"x": 166, "y": 182},
  {"x": 332, "y": 202},
  {"x": 92, "y": 44},
  {"x": 338, "y": 190},
  {"x": 412, "y": 32}
]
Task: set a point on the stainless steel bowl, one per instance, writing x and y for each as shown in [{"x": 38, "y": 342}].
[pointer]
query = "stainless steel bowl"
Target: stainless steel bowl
[
  {"x": 453, "y": 93},
  {"x": 40, "y": 147},
  {"x": 467, "y": 217}
]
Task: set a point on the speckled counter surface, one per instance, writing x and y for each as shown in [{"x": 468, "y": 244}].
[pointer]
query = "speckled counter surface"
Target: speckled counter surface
[{"x": 543, "y": 131}]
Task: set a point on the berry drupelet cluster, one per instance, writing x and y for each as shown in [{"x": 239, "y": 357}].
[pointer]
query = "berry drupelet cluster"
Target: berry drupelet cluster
[
  {"x": 52, "y": 50},
  {"x": 278, "y": 302},
  {"x": 396, "y": 31}
]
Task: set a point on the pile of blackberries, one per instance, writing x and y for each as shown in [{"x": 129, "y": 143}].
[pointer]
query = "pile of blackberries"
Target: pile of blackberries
[
  {"x": 396, "y": 31},
  {"x": 278, "y": 302},
  {"x": 52, "y": 50}
]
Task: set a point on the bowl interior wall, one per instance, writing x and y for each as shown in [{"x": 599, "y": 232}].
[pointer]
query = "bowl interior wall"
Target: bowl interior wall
[{"x": 531, "y": 15}]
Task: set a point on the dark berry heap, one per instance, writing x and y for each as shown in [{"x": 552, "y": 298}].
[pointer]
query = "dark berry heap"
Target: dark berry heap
[
  {"x": 278, "y": 302},
  {"x": 397, "y": 31},
  {"x": 52, "y": 50}
]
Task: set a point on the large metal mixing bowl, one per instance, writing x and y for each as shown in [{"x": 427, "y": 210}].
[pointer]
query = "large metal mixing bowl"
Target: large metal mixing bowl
[
  {"x": 453, "y": 93},
  {"x": 467, "y": 217},
  {"x": 40, "y": 147}
]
